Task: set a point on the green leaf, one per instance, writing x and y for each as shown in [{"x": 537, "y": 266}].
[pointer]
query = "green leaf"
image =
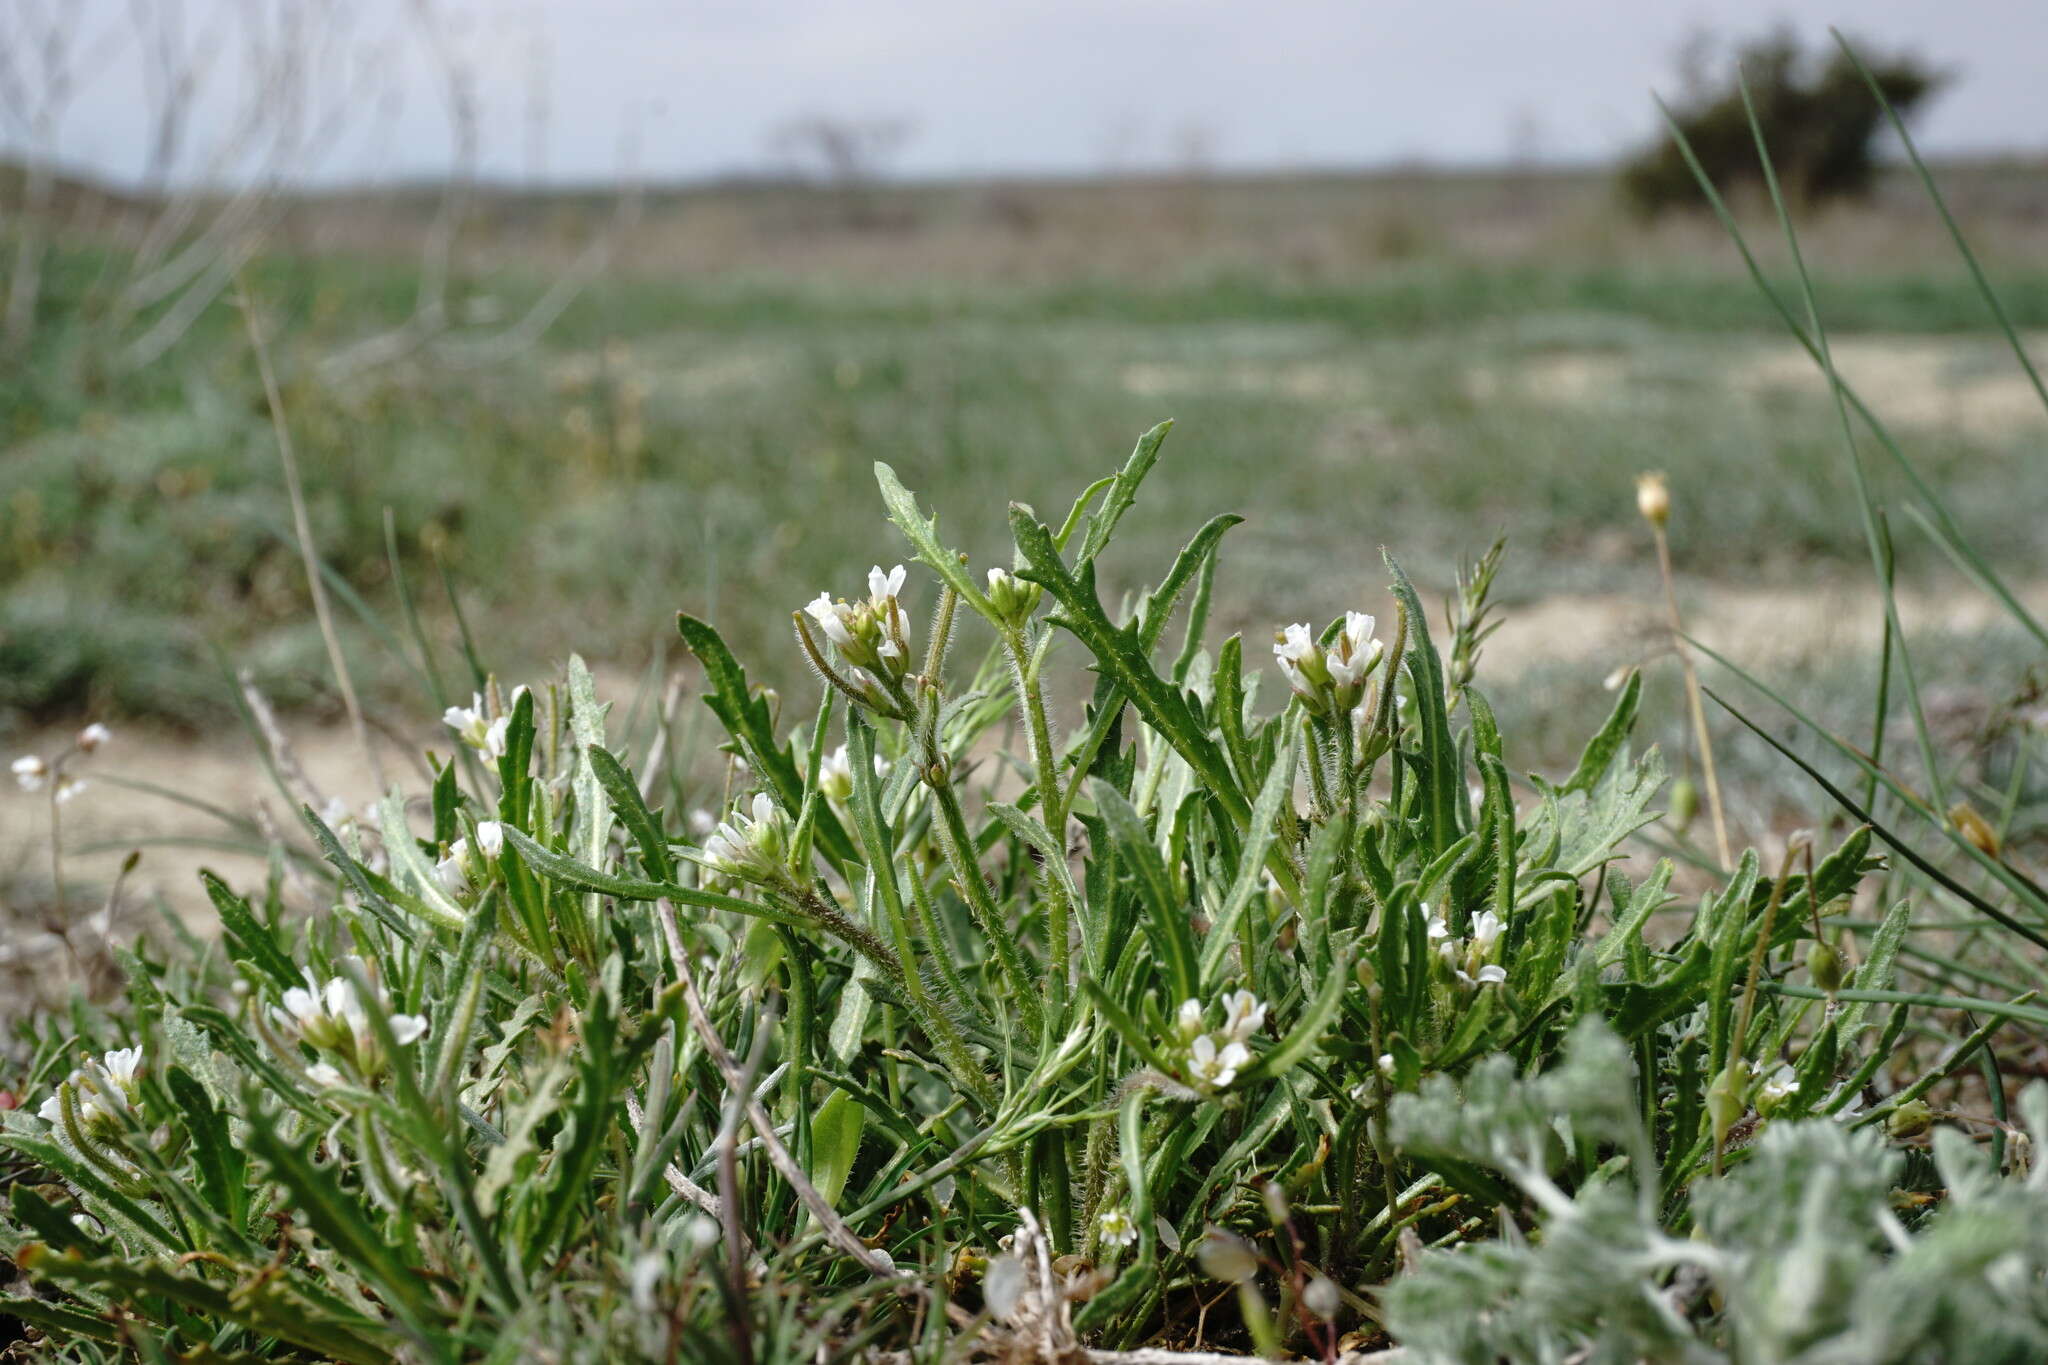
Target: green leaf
[
  {"x": 1610, "y": 741},
  {"x": 835, "y": 1143},
  {"x": 221, "y": 1165},
  {"x": 562, "y": 868},
  {"x": 515, "y": 765},
  {"x": 334, "y": 1213},
  {"x": 271, "y": 1305},
  {"x": 108, "y": 1202},
  {"x": 1123, "y": 492},
  {"x": 1173, "y": 940},
  {"x": 1125, "y": 1027},
  {"x": 60, "y": 1320},
  {"x": 1121, "y": 657},
  {"x": 745, "y": 715},
  {"x": 650, "y": 841},
  {"x": 1277, "y": 790},
  {"x": 1443, "y": 784},
  {"x": 1307, "y": 1033},
  {"x": 251, "y": 936},
  {"x": 427, "y": 898},
  {"x": 923, "y": 534},
  {"x": 1158, "y": 606}
]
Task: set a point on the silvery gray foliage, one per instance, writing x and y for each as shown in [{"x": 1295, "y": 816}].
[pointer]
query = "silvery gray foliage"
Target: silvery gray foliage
[{"x": 1796, "y": 1256}]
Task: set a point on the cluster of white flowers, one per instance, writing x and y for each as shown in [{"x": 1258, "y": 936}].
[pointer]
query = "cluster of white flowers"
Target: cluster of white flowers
[
  {"x": 33, "y": 772},
  {"x": 1330, "y": 682},
  {"x": 872, "y": 637},
  {"x": 334, "y": 1020},
  {"x": 1215, "y": 1058},
  {"x": 457, "y": 872},
  {"x": 753, "y": 846},
  {"x": 104, "y": 1089},
  {"x": 1469, "y": 960},
  {"x": 474, "y": 726},
  {"x": 1116, "y": 1228}
]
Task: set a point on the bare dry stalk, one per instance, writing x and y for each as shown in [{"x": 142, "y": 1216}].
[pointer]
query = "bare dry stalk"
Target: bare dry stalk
[{"x": 303, "y": 529}]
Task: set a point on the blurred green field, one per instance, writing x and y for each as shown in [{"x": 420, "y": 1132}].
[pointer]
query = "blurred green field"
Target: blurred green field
[{"x": 678, "y": 433}]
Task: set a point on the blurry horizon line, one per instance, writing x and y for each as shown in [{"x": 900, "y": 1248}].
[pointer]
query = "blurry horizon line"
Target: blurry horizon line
[{"x": 82, "y": 173}]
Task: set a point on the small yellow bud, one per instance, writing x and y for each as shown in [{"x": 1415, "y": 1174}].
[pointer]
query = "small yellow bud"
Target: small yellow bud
[
  {"x": 1974, "y": 828},
  {"x": 1653, "y": 498}
]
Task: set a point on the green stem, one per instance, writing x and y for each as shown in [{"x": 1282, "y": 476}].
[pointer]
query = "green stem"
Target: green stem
[
  {"x": 1058, "y": 910},
  {"x": 958, "y": 846}
]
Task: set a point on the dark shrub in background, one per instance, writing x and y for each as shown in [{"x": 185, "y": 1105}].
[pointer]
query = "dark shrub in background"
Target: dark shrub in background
[{"x": 1818, "y": 118}]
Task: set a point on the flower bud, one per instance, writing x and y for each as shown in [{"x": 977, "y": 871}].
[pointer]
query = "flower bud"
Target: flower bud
[
  {"x": 1909, "y": 1120},
  {"x": 30, "y": 772},
  {"x": 1012, "y": 598},
  {"x": 1725, "y": 1102},
  {"x": 1226, "y": 1257},
  {"x": 1320, "y": 1297},
  {"x": 1824, "y": 965},
  {"x": 1653, "y": 499},
  {"x": 1275, "y": 1197},
  {"x": 93, "y": 736},
  {"x": 1685, "y": 803},
  {"x": 1974, "y": 827}
]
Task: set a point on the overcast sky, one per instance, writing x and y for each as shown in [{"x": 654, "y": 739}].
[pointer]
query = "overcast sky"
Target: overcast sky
[{"x": 1063, "y": 86}]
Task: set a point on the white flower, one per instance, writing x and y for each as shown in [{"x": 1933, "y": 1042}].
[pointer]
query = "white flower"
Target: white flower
[
  {"x": 1778, "y": 1088},
  {"x": 92, "y": 736},
  {"x": 1330, "y": 681},
  {"x": 835, "y": 775},
  {"x": 1300, "y": 659},
  {"x": 105, "y": 1088},
  {"x": 473, "y": 725},
  {"x": 1486, "y": 931},
  {"x": 1353, "y": 653},
  {"x": 1216, "y": 1067},
  {"x": 123, "y": 1066},
  {"x": 1387, "y": 1064},
  {"x": 1117, "y": 1228},
  {"x": 1493, "y": 974},
  {"x": 69, "y": 787},
  {"x": 1188, "y": 1020},
  {"x": 1437, "y": 927},
  {"x": 884, "y": 585},
  {"x": 1243, "y": 1015},
  {"x": 452, "y": 872},
  {"x": 323, "y": 1074},
  {"x": 333, "y": 1019},
  {"x": 832, "y": 618},
  {"x": 751, "y": 846},
  {"x": 490, "y": 838},
  {"x": 30, "y": 771}
]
